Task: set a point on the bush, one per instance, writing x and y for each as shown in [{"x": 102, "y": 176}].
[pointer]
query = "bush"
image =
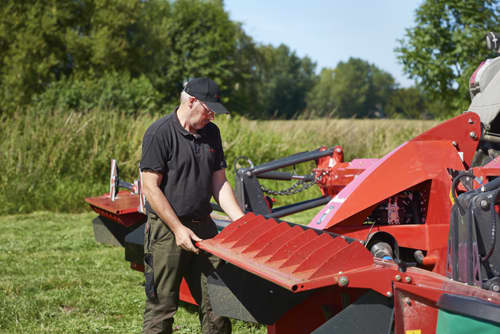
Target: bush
[{"x": 130, "y": 96}]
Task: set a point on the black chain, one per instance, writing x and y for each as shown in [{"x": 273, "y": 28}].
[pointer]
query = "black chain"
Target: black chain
[{"x": 298, "y": 187}]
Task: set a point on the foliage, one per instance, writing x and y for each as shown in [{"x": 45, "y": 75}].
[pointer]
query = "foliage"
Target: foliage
[
  {"x": 353, "y": 89},
  {"x": 53, "y": 160},
  {"x": 57, "y": 279},
  {"x": 408, "y": 103},
  {"x": 245, "y": 86},
  {"x": 133, "y": 56},
  {"x": 320, "y": 100},
  {"x": 112, "y": 91},
  {"x": 45, "y": 41},
  {"x": 48, "y": 45},
  {"x": 199, "y": 40},
  {"x": 283, "y": 80},
  {"x": 445, "y": 46}
]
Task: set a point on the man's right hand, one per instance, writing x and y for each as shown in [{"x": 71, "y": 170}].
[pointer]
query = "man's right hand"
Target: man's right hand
[{"x": 184, "y": 238}]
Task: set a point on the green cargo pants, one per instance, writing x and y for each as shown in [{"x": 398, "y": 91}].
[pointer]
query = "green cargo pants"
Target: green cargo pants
[{"x": 164, "y": 266}]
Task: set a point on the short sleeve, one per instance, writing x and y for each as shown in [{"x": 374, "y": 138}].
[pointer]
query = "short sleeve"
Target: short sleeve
[{"x": 154, "y": 152}]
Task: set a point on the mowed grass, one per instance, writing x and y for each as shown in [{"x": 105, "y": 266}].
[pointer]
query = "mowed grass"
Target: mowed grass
[{"x": 56, "y": 279}]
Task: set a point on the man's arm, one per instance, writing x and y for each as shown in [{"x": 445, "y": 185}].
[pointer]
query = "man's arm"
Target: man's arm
[
  {"x": 223, "y": 194},
  {"x": 159, "y": 203}
]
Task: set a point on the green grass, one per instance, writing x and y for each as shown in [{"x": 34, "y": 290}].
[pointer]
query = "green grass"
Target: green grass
[
  {"x": 51, "y": 161},
  {"x": 56, "y": 279}
]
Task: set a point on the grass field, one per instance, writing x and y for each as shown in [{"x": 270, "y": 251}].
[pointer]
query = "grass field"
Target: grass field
[
  {"x": 56, "y": 279},
  {"x": 51, "y": 161}
]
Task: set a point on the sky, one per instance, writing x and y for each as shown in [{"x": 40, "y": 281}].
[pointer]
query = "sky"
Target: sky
[{"x": 331, "y": 31}]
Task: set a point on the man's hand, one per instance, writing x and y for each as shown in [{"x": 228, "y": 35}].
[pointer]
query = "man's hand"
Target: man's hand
[{"x": 184, "y": 238}]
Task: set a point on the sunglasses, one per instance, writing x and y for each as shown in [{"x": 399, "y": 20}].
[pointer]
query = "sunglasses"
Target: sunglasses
[{"x": 207, "y": 109}]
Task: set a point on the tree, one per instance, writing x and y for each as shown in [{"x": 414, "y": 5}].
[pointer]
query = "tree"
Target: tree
[
  {"x": 245, "y": 86},
  {"x": 199, "y": 40},
  {"x": 354, "y": 88},
  {"x": 165, "y": 42},
  {"x": 407, "y": 103},
  {"x": 320, "y": 101},
  {"x": 43, "y": 41},
  {"x": 445, "y": 47},
  {"x": 283, "y": 80}
]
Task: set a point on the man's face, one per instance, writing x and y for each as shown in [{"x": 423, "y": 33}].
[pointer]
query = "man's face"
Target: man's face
[{"x": 201, "y": 115}]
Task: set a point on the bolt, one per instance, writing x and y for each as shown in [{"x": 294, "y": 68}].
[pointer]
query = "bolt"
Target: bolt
[
  {"x": 249, "y": 173},
  {"x": 472, "y": 134},
  {"x": 407, "y": 279},
  {"x": 454, "y": 143},
  {"x": 338, "y": 150},
  {"x": 407, "y": 301},
  {"x": 388, "y": 294},
  {"x": 470, "y": 121},
  {"x": 495, "y": 288},
  {"x": 343, "y": 281},
  {"x": 484, "y": 204},
  {"x": 398, "y": 277}
]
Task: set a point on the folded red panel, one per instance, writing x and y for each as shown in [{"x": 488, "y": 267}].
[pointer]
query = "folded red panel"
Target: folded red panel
[{"x": 293, "y": 256}]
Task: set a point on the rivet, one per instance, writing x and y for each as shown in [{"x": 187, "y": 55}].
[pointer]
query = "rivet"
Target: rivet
[
  {"x": 343, "y": 281},
  {"x": 407, "y": 301},
  {"x": 388, "y": 294},
  {"x": 472, "y": 134},
  {"x": 496, "y": 288},
  {"x": 407, "y": 279},
  {"x": 484, "y": 204},
  {"x": 454, "y": 143},
  {"x": 338, "y": 150},
  {"x": 470, "y": 121},
  {"x": 398, "y": 277}
]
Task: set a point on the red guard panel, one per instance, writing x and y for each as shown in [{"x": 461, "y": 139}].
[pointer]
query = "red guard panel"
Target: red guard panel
[
  {"x": 123, "y": 210},
  {"x": 293, "y": 256}
]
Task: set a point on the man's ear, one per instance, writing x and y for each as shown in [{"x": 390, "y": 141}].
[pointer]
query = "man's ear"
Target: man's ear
[{"x": 192, "y": 100}]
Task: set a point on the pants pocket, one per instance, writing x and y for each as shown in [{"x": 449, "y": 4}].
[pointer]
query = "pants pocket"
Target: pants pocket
[{"x": 149, "y": 276}]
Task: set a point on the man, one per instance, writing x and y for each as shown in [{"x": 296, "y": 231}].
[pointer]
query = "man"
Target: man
[{"x": 183, "y": 165}]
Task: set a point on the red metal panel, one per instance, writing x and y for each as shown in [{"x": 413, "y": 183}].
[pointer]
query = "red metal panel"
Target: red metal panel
[
  {"x": 464, "y": 130},
  {"x": 402, "y": 169},
  {"x": 293, "y": 256},
  {"x": 123, "y": 210},
  {"x": 315, "y": 259},
  {"x": 290, "y": 247},
  {"x": 306, "y": 250},
  {"x": 125, "y": 202},
  {"x": 275, "y": 243}
]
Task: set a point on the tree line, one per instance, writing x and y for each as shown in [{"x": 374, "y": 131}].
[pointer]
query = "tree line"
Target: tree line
[{"x": 134, "y": 55}]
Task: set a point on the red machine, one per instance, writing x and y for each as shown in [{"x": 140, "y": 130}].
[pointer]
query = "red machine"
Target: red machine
[{"x": 408, "y": 243}]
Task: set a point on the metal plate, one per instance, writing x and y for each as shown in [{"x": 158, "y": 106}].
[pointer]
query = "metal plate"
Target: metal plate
[{"x": 293, "y": 256}]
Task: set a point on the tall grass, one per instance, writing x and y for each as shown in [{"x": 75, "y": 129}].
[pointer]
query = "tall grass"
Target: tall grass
[{"x": 52, "y": 161}]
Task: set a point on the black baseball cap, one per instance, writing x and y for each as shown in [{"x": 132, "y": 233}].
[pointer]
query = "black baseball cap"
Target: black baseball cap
[{"x": 207, "y": 91}]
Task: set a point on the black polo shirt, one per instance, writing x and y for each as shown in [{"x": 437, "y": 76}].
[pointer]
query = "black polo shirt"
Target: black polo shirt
[{"x": 187, "y": 162}]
